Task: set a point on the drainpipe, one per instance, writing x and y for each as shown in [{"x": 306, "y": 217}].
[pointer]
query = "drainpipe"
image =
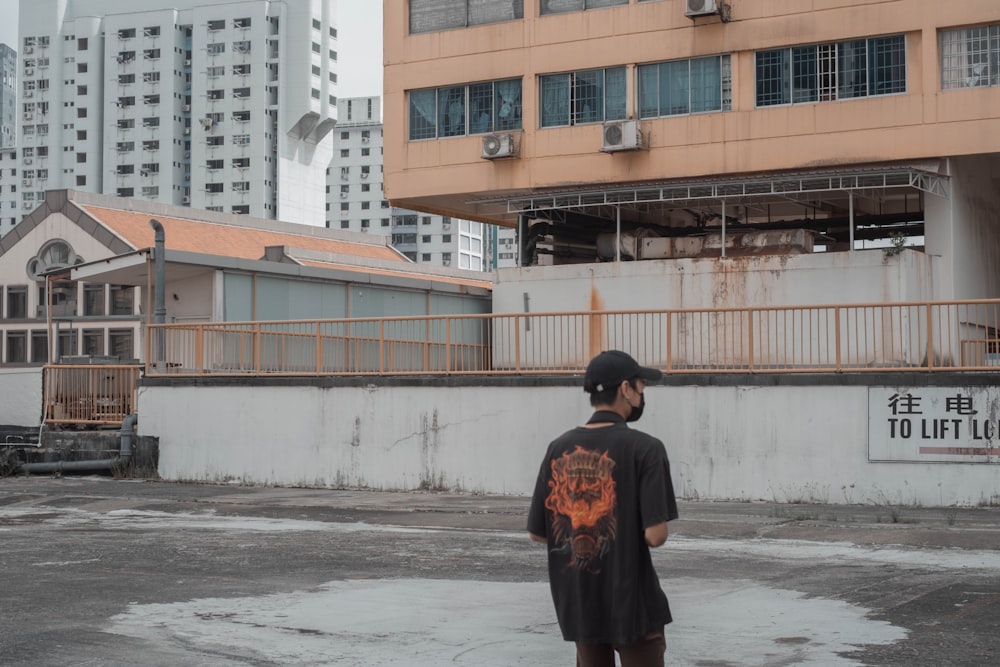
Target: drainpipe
[
  {"x": 160, "y": 308},
  {"x": 122, "y": 460}
]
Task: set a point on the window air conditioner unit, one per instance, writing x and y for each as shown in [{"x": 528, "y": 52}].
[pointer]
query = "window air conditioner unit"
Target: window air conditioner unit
[
  {"x": 187, "y": 154},
  {"x": 26, "y": 181},
  {"x": 187, "y": 63},
  {"x": 365, "y": 140},
  {"x": 187, "y": 130},
  {"x": 29, "y": 49},
  {"x": 27, "y": 205},
  {"x": 29, "y": 93},
  {"x": 364, "y": 175},
  {"x": 343, "y": 195},
  {"x": 207, "y": 123},
  {"x": 28, "y": 115},
  {"x": 28, "y": 160},
  {"x": 186, "y": 107},
  {"x": 621, "y": 135},
  {"x": 498, "y": 146},
  {"x": 187, "y": 200},
  {"x": 693, "y": 8},
  {"x": 29, "y": 71}
]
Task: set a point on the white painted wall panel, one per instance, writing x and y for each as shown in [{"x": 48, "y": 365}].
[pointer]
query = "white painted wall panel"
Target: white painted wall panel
[
  {"x": 22, "y": 396},
  {"x": 785, "y": 444}
]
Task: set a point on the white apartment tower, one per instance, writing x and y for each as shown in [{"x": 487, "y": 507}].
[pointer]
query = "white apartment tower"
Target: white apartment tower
[
  {"x": 8, "y": 96},
  {"x": 356, "y": 201},
  {"x": 225, "y": 106}
]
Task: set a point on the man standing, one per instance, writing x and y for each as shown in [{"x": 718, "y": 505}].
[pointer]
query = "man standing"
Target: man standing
[{"x": 603, "y": 497}]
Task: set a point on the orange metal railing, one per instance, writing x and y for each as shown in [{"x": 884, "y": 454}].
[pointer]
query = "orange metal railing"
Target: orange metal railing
[
  {"x": 88, "y": 394},
  {"x": 919, "y": 336}
]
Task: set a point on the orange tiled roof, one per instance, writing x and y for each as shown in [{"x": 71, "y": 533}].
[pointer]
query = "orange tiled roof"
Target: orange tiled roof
[
  {"x": 468, "y": 282},
  {"x": 225, "y": 240}
]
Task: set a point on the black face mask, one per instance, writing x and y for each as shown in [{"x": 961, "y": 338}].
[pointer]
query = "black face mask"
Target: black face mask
[{"x": 637, "y": 412}]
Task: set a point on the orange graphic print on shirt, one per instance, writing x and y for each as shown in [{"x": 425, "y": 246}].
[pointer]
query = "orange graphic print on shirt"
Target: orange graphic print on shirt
[{"x": 582, "y": 500}]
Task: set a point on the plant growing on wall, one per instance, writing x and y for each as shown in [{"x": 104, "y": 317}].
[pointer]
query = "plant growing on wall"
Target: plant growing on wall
[{"x": 897, "y": 241}]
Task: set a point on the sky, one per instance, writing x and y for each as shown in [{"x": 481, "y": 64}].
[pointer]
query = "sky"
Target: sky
[{"x": 359, "y": 49}]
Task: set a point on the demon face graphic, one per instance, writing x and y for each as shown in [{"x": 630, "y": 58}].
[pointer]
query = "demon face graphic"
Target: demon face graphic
[{"x": 582, "y": 501}]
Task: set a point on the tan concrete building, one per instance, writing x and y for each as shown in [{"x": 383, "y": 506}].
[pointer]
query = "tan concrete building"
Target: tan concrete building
[{"x": 704, "y": 129}]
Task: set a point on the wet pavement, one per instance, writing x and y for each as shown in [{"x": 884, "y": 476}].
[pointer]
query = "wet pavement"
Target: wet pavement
[{"x": 95, "y": 571}]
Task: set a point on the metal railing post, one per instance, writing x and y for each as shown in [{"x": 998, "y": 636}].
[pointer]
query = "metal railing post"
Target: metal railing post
[
  {"x": 836, "y": 336},
  {"x": 447, "y": 345},
  {"x": 319, "y": 348},
  {"x": 930, "y": 338},
  {"x": 199, "y": 348},
  {"x": 257, "y": 345},
  {"x": 750, "y": 348},
  {"x": 517, "y": 343},
  {"x": 381, "y": 346}
]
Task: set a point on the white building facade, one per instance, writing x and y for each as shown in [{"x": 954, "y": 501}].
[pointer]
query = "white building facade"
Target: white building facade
[
  {"x": 356, "y": 201},
  {"x": 8, "y": 96},
  {"x": 10, "y": 201},
  {"x": 226, "y": 106}
]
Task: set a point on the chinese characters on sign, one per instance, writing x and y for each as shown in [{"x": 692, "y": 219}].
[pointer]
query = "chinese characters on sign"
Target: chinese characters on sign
[{"x": 934, "y": 424}]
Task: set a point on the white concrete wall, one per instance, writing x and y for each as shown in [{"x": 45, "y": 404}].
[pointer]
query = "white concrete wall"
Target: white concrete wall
[
  {"x": 794, "y": 444},
  {"x": 976, "y": 227},
  {"x": 788, "y": 280},
  {"x": 21, "y": 389}
]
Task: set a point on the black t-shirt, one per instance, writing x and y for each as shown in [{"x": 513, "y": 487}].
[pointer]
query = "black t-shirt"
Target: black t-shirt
[{"x": 597, "y": 491}]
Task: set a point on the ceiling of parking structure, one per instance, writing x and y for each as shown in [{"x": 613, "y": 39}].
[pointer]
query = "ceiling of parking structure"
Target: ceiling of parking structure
[{"x": 878, "y": 190}]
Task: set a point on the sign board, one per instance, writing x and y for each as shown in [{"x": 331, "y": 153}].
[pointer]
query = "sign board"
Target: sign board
[{"x": 934, "y": 424}]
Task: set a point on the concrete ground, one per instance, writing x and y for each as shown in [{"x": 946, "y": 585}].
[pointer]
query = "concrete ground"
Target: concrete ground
[{"x": 95, "y": 571}]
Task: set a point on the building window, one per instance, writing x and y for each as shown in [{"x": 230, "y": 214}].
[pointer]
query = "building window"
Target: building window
[
  {"x": 562, "y": 6},
  {"x": 39, "y": 347},
  {"x": 122, "y": 299},
  {"x": 426, "y": 238},
  {"x": 17, "y": 347},
  {"x": 591, "y": 96},
  {"x": 345, "y": 152},
  {"x": 685, "y": 86},
  {"x": 17, "y": 302},
  {"x": 216, "y": 48},
  {"x": 345, "y": 224},
  {"x": 66, "y": 343},
  {"x": 93, "y": 342},
  {"x": 433, "y": 15},
  {"x": 827, "y": 72},
  {"x": 425, "y": 257},
  {"x": 385, "y": 222},
  {"x": 970, "y": 57},
  {"x": 120, "y": 343},
  {"x": 469, "y": 109},
  {"x": 93, "y": 300}
]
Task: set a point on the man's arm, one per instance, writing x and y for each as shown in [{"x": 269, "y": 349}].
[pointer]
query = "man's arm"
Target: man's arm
[
  {"x": 656, "y": 534},
  {"x": 537, "y": 538}
]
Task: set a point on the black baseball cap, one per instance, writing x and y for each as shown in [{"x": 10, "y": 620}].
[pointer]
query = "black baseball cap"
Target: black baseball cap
[{"x": 611, "y": 368}]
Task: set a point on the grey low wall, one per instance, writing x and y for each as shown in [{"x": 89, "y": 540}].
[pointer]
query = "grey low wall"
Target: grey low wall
[{"x": 787, "y": 438}]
